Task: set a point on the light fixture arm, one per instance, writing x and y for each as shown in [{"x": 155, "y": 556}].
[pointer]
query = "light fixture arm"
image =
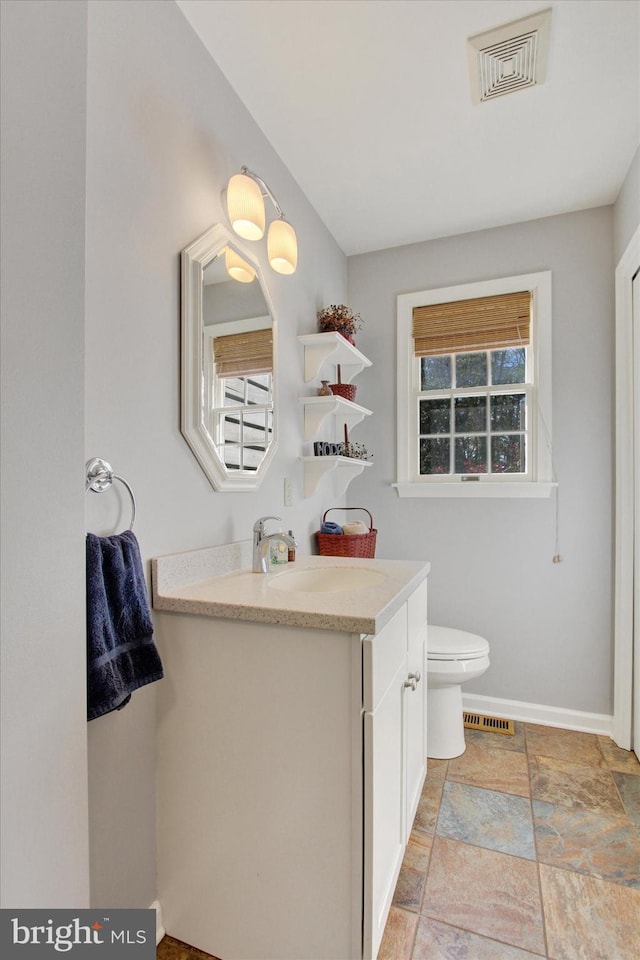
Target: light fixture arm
[{"x": 266, "y": 192}]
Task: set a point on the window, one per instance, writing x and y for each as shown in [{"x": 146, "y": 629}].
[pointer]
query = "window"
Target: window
[
  {"x": 474, "y": 385},
  {"x": 242, "y": 397}
]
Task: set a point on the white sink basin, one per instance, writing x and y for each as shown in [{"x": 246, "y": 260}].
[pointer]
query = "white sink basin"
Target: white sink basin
[{"x": 327, "y": 580}]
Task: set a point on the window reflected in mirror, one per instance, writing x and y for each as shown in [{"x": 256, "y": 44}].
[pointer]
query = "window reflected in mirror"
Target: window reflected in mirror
[
  {"x": 229, "y": 414},
  {"x": 242, "y": 396},
  {"x": 239, "y": 358}
]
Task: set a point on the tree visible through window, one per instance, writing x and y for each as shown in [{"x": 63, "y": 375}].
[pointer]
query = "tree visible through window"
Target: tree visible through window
[{"x": 473, "y": 413}]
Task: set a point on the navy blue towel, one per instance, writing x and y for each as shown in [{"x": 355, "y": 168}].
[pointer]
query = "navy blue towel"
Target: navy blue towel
[{"x": 121, "y": 654}]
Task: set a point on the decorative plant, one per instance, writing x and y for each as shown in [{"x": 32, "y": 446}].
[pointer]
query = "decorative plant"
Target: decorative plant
[{"x": 340, "y": 318}]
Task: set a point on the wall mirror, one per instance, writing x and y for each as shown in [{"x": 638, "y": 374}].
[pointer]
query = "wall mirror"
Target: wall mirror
[{"x": 228, "y": 359}]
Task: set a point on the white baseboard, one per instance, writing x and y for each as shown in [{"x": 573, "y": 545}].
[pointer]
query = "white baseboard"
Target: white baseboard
[
  {"x": 600, "y": 723},
  {"x": 160, "y": 931}
]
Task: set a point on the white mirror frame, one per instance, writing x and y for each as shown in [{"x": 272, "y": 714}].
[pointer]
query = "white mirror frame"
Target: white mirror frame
[{"x": 194, "y": 259}]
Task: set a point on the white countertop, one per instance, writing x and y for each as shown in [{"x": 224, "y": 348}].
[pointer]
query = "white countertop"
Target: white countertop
[{"x": 194, "y": 583}]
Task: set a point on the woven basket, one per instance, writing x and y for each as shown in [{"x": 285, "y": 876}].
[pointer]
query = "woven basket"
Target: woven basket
[
  {"x": 346, "y": 390},
  {"x": 347, "y": 545}
]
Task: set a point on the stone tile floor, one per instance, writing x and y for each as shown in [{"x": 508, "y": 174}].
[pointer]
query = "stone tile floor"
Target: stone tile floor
[{"x": 524, "y": 847}]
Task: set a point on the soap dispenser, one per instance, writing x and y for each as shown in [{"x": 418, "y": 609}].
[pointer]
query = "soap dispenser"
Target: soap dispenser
[{"x": 278, "y": 552}]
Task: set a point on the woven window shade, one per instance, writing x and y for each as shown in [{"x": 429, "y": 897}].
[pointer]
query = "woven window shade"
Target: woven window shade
[
  {"x": 244, "y": 354},
  {"x": 486, "y": 323}
]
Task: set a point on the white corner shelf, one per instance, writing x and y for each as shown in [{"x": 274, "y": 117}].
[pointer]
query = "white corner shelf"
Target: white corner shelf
[
  {"x": 333, "y": 349},
  {"x": 317, "y": 409},
  {"x": 341, "y": 469},
  {"x": 321, "y": 348}
]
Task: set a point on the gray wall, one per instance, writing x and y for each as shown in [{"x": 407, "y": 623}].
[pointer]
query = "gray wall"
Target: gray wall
[
  {"x": 44, "y": 753},
  {"x": 165, "y": 132},
  {"x": 627, "y": 208},
  {"x": 549, "y": 624}
]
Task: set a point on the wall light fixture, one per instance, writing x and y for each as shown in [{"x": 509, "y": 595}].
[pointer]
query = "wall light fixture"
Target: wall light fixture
[
  {"x": 245, "y": 207},
  {"x": 237, "y": 267}
]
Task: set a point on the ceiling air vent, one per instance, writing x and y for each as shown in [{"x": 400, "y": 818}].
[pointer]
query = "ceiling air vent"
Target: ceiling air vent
[{"x": 509, "y": 58}]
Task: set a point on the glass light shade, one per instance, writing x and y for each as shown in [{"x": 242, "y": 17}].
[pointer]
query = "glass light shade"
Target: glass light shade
[
  {"x": 237, "y": 268},
  {"x": 245, "y": 207},
  {"x": 282, "y": 247}
]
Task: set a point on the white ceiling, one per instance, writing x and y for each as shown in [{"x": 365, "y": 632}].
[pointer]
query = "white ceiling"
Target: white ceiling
[{"x": 368, "y": 104}]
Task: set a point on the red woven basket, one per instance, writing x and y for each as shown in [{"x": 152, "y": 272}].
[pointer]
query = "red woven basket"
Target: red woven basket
[
  {"x": 347, "y": 545},
  {"x": 345, "y": 390}
]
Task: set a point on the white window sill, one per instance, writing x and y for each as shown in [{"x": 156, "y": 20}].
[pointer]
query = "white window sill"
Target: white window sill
[{"x": 477, "y": 490}]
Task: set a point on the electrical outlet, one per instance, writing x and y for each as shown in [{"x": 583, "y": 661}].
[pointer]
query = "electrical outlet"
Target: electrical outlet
[{"x": 288, "y": 492}]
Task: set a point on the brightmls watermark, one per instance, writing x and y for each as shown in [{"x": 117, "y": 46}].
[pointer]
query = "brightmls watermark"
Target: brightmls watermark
[{"x": 78, "y": 934}]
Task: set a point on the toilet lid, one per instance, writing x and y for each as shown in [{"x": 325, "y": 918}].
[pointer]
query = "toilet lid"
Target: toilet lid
[{"x": 446, "y": 643}]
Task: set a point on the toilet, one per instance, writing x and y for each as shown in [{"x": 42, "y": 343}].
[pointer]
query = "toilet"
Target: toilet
[{"x": 453, "y": 657}]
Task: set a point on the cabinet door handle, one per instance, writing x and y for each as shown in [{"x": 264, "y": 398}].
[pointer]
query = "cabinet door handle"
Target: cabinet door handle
[
  {"x": 417, "y": 676},
  {"x": 411, "y": 682}
]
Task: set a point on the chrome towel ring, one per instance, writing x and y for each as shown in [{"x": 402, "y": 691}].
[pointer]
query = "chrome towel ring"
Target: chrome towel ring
[{"x": 100, "y": 476}]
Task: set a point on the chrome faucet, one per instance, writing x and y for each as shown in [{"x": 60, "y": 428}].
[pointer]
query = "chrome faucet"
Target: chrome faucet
[{"x": 262, "y": 542}]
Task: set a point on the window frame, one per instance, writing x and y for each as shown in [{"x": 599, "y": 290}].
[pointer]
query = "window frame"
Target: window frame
[{"x": 539, "y": 479}]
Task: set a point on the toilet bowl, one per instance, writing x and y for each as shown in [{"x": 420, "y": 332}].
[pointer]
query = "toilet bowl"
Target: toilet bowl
[{"x": 453, "y": 657}]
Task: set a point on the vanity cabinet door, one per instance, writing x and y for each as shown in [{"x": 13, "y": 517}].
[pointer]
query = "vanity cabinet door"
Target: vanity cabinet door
[
  {"x": 416, "y": 703},
  {"x": 394, "y": 701},
  {"x": 384, "y": 809},
  {"x": 384, "y": 675}
]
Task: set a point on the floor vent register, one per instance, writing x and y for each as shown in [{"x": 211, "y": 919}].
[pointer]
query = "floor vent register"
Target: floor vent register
[{"x": 478, "y": 721}]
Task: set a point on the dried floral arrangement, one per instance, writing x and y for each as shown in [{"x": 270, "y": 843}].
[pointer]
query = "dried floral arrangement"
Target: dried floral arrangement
[
  {"x": 340, "y": 318},
  {"x": 357, "y": 451}
]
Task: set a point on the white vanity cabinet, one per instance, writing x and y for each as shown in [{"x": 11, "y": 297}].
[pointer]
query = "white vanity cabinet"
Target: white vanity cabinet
[{"x": 290, "y": 761}]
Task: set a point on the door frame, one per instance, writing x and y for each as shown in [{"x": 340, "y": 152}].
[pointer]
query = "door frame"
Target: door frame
[{"x": 624, "y": 498}]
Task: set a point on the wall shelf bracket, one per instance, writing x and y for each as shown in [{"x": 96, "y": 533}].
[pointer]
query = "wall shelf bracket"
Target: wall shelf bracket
[
  {"x": 318, "y": 409},
  {"x": 341, "y": 469},
  {"x": 321, "y": 348}
]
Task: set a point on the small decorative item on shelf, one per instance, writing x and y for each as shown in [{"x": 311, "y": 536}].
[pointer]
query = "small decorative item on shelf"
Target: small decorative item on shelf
[
  {"x": 325, "y": 390},
  {"x": 357, "y": 451},
  {"x": 345, "y": 390},
  {"x": 324, "y": 448},
  {"x": 340, "y": 318}
]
